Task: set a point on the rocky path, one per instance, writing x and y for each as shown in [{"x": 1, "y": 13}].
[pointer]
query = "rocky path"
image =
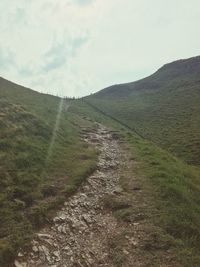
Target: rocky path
[
  {"x": 78, "y": 234},
  {"x": 85, "y": 232}
]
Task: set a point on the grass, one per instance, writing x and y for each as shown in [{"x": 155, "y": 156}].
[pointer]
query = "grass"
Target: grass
[
  {"x": 172, "y": 184},
  {"x": 164, "y": 108},
  {"x": 35, "y": 176},
  {"x": 168, "y": 118},
  {"x": 175, "y": 186}
]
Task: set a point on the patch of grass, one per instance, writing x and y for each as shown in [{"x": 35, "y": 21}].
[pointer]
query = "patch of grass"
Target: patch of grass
[
  {"x": 117, "y": 244},
  {"x": 116, "y": 203},
  {"x": 175, "y": 186}
]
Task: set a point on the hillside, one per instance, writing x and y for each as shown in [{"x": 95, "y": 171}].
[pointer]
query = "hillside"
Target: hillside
[
  {"x": 42, "y": 161},
  {"x": 163, "y": 107},
  {"x": 160, "y": 111},
  {"x": 172, "y": 183}
]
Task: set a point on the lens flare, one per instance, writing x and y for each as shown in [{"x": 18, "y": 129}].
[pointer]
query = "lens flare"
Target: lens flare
[{"x": 55, "y": 130}]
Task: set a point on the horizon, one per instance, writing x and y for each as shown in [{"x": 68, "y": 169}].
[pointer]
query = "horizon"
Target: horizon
[
  {"x": 79, "y": 97},
  {"x": 78, "y": 47}
]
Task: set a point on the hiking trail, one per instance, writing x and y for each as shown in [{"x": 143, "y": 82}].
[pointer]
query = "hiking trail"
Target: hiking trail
[{"x": 81, "y": 232}]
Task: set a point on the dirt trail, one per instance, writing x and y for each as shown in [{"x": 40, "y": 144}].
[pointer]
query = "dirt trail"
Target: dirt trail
[
  {"x": 82, "y": 232},
  {"x": 78, "y": 234}
]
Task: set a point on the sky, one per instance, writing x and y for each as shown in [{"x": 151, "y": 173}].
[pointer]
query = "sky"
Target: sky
[{"x": 77, "y": 47}]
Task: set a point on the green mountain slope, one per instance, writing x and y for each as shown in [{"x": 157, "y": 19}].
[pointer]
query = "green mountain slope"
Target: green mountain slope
[
  {"x": 163, "y": 107},
  {"x": 173, "y": 184},
  {"x": 42, "y": 160}
]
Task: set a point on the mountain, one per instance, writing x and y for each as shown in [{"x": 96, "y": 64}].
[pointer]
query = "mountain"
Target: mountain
[
  {"x": 181, "y": 71},
  {"x": 43, "y": 159},
  {"x": 158, "y": 119},
  {"x": 163, "y": 108}
]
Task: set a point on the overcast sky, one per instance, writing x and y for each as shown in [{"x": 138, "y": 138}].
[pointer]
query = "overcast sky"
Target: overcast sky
[{"x": 75, "y": 47}]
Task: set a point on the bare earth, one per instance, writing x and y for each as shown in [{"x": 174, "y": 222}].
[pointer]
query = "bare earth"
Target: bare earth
[{"x": 85, "y": 233}]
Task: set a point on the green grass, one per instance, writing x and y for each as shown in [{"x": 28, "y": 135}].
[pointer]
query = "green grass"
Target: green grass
[
  {"x": 173, "y": 184},
  {"x": 169, "y": 118},
  {"x": 35, "y": 177},
  {"x": 164, "y": 107}
]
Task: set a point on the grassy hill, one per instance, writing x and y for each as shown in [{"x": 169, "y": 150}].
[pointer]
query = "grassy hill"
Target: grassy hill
[
  {"x": 163, "y": 107},
  {"x": 173, "y": 184},
  {"x": 41, "y": 149},
  {"x": 42, "y": 160},
  {"x": 161, "y": 113}
]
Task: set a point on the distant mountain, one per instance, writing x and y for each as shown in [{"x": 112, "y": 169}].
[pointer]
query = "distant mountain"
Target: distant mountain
[{"x": 164, "y": 107}]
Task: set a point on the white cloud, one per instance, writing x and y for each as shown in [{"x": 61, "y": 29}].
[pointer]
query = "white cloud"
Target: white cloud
[{"x": 74, "y": 47}]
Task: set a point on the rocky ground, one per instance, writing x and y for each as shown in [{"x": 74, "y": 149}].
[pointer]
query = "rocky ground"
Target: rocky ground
[{"x": 85, "y": 233}]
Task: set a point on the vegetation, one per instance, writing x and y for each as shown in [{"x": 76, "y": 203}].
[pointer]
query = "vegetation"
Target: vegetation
[
  {"x": 42, "y": 162},
  {"x": 158, "y": 119},
  {"x": 175, "y": 186},
  {"x": 163, "y": 108},
  {"x": 160, "y": 111},
  {"x": 171, "y": 185}
]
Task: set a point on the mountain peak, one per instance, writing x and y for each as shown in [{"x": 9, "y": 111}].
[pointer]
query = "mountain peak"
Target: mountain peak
[
  {"x": 181, "y": 67},
  {"x": 180, "y": 71}
]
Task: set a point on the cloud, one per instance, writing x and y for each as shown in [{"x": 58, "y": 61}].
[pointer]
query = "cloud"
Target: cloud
[
  {"x": 6, "y": 59},
  {"x": 83, "y": 2},
  {"x": 59, "y": 53},
  {"x": 55, "y": 57},
  {"x": 74, "y": 47}
]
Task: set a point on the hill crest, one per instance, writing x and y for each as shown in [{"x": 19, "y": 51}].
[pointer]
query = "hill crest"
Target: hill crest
[{"x": 183, "y": 70}]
